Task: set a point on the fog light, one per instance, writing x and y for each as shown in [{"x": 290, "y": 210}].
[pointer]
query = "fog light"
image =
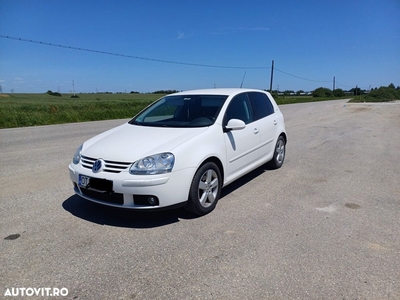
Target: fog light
[
  {"x": 146, "y": 200},
  {"x": 152, "y": 200}
]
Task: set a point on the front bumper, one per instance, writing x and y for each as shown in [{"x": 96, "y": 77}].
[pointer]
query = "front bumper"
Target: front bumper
[{"x": 134, "y": 191}]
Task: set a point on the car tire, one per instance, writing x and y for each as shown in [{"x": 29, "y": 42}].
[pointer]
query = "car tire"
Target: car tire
[
  {"x": 205, "y": 189},
  {"x": 279, "y": 154}
]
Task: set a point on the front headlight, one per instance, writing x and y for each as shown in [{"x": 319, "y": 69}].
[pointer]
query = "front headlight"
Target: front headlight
[
  {"x": 154, "y": 164},
  {"x": 77, "y": 155}
]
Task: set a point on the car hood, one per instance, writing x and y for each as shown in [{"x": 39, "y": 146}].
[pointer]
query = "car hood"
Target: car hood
[{"x": 128, "y": 143}]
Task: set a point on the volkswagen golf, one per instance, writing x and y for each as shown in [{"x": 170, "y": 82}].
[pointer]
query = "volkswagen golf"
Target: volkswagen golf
[{"x": 181, "y": 150}]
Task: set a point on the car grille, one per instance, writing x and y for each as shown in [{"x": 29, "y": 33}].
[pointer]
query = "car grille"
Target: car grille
[{"x": 111, "y": 166}]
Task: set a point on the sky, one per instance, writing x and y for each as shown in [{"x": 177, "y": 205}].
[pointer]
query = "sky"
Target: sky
[{"x": 148, "y": 45}]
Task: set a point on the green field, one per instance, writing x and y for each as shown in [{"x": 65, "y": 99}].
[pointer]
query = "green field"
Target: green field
[{"x": 20, "y": 110}]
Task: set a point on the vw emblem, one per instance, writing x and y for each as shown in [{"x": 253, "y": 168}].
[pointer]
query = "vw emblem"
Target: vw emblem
[{"x": 97, "y": 166}]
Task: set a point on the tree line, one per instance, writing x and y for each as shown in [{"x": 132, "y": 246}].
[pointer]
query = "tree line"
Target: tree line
[{"x": 389, "y": 92}]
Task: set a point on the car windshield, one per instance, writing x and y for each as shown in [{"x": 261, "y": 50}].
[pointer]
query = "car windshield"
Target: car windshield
[{"x": 181, "y": 111}]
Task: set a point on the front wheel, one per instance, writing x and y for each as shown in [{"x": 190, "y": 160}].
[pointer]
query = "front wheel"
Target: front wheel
[
  {"x": 279, "y": 154},
  {"x": 205, "y": 189}
]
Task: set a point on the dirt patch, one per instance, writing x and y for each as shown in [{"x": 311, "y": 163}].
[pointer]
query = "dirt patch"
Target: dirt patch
[
  {"x": 360, "y": 109},
  {"x": 4, "y": 96}
]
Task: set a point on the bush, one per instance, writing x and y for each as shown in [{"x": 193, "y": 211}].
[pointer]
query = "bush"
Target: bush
[
  {"x": 322, "y": 92},
  {"x": 384, "y": 94},
  {"x": 53, "y": 93},
  {"x": 338, "y": 93}
]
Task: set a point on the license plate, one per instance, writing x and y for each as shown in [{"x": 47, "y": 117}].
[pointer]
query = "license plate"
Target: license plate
[
  {"x": 98, "y": 184},
  {"x": 84, "y": 180}
]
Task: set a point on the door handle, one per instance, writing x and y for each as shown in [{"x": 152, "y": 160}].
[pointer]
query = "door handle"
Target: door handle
[
  {"x": 275, "y": 122},
  {"x": 255, "y": 130}
]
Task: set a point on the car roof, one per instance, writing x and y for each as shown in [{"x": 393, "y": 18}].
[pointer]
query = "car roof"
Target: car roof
[{"x": 218, "y": 91}]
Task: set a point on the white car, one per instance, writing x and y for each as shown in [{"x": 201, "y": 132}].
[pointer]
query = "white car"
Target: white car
[{"x": 181, "y": 150}]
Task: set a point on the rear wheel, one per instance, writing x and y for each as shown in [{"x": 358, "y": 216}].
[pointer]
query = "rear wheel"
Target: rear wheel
[
  {"x": 205, "y": 189},
  {"x": 279, "y": 154}
]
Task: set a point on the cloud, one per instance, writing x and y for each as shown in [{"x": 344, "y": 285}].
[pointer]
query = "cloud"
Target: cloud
[
  {"x": 257, "y": 29},
  {"x": 180, "y": 36},
  {"x": 18, "y": 80},
  {"x": 240, "y": 29}
]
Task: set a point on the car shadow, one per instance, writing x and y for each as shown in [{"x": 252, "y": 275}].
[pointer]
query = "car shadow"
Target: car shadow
[
  {"x": 244, "y": 180},
  {"x": 118, "y": 217}
]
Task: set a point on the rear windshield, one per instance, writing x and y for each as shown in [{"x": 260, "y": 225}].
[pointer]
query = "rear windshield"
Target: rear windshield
[{"x": 181, "y": 111}]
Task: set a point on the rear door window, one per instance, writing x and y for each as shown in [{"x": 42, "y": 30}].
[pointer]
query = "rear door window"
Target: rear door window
[{"x": 261, "y": 105}]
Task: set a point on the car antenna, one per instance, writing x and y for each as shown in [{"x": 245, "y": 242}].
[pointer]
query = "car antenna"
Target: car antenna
[{"x": 244, "y": 75}]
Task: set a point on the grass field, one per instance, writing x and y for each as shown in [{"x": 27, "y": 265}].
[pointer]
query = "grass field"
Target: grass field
[{"x": 20, "y": 110}]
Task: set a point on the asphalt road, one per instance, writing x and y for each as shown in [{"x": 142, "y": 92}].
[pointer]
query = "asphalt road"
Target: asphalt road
[{"x": 324, "y": 226}]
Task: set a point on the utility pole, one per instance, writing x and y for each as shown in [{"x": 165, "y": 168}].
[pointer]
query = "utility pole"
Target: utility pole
[
  {"x": 73, "y": 87},
  {"x": 243, "y": 79},
  {"x": 333, "y": 83},
  {"x": 272, "y": 77}
]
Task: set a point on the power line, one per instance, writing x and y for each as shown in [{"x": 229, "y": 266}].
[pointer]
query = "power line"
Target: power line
[
  {"x": 351, "y": 87},
  {"x": 302, "y": 77},
  {"x": 154, "y": 59},
  {"x": 348, "y": 86},
  {"x": 127, "y": 56}
]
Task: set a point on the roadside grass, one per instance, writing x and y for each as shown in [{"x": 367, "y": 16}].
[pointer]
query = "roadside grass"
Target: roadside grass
[
  {"x": 382, "y": 94},
  {"x": 361, "y": 99},
  {"x": 281, "y": 100},
  {"x": 21, "y": 110}
]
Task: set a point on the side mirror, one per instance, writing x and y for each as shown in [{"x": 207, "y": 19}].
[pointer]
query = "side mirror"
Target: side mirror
[{"x": 234, "y": 124}]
